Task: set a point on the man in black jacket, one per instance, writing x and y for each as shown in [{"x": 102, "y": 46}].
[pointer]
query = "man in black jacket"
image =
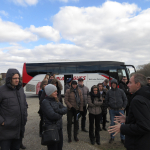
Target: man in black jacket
[
  {"x": 137, "y": 125},
  {"x": 148, "y": 81},
  {"x": 13, "y": 111},
  {"x": 124, "y": 87}
]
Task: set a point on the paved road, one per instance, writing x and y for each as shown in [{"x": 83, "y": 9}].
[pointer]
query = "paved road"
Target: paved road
[{"x": 33, "y": 142}]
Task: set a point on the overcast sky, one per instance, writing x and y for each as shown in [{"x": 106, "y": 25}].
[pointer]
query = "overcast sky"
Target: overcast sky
[{"x": 41, "y": 30}]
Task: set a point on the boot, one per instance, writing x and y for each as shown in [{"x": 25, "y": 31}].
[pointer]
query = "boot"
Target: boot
[
  {"x": 76, "y": 139},
  {"x": 22, "y": 146}
]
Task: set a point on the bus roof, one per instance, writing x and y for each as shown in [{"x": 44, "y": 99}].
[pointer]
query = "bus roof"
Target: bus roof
[{"x": 75, "y": 61}]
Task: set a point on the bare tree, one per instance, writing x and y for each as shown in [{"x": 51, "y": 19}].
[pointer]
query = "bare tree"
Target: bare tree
[{"x": 144, "y": 69}]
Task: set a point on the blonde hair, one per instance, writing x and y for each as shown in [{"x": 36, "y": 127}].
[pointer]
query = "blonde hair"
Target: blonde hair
[{"x": 45, "y": 78}]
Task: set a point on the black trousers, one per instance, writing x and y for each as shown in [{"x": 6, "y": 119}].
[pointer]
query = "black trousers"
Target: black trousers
[
  {"x": 93, "y": 117},
  {"x": 13, "y": 144},
  {"x": 126, "y": 111},
  {"x": 70, "y": 115},
  {"x": 41, "y": 125},
  {"x": 83, "y": 120},
  {"x": 59, "y": 145},
  {"x": 104, "y": 120}
]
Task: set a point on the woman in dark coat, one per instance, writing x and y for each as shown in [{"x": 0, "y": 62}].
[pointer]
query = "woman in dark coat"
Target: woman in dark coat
[
  {"x": 42, "y": 86},
  {"x": 53, "y": 111}
]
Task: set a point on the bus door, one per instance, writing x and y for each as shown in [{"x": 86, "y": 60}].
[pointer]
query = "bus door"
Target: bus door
[
  {"x": 117, "y": 74},
  {"x": 129, "y": 69},
  {"x": 125, "y": 72},
  {"x": 66, "y": 77}
]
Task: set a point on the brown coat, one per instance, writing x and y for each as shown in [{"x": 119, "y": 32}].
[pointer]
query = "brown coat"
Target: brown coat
[
  {"x": 94, "y": 108},
  {"x": 70, "y": 100}
]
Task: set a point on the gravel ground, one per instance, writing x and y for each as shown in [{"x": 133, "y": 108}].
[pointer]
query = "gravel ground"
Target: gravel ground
[{"x": 33, "y": 142}]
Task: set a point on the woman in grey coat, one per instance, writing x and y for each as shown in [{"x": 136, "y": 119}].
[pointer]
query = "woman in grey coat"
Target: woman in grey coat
[{"x": 94, "y": 108}]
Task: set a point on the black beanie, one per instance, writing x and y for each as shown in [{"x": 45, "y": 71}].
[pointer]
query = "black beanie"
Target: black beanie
[{"x": 74, "y": 82}]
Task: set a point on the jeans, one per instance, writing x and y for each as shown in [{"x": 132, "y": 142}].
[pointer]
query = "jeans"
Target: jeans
[
  {"x": 114, "y": 113},
  {"x": 13, "y": 144},
  {"x": 57, "y": 146}
]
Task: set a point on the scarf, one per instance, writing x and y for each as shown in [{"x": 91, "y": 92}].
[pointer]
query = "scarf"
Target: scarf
[
  {"x": 94, "y": 95},
  {"x": 77, "y": 96}
]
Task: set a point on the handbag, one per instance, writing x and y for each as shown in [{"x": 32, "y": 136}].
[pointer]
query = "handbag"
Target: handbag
[{"x": 50, "y": 135}]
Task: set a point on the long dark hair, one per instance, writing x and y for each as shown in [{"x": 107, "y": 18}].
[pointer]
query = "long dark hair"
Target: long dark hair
[{"x": 92, "y": 93}]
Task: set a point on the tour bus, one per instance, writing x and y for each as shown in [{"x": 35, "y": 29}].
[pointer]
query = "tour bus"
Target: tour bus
[{"x": 92, "y": 72}]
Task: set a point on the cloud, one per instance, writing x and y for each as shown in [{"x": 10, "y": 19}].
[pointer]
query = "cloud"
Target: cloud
[
  {"x": 4, "y": 13},
  {"x": 25, "y": 2},
  {"x": 46, "y": 32},
  {"x": 16, "y": 55},
  {"x": 103, "y": 26},
  {"x": 111, "y": 32},
  {"x": 11, "y": 32},
  {"x": 120, "y": 28}
]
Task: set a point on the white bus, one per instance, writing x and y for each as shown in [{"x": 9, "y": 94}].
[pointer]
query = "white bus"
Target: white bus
[{"x": 92, "y": 72}]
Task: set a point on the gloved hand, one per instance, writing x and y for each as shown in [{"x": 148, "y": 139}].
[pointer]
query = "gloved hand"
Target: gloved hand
[
  {"x": 73, "y": 109},
  {"x": 81, "y": 112}
]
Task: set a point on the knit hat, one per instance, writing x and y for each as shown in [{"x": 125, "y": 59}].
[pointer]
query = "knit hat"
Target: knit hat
[
  {"x": 74, "y": 82},
  {"x": 80, "y": 79},
  {"x": 49, "y": 89},
  {"x": 114, "y": 81}
]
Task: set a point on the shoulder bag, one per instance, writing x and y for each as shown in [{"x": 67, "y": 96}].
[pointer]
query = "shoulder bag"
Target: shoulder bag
[{"x": 50, "y": 135}]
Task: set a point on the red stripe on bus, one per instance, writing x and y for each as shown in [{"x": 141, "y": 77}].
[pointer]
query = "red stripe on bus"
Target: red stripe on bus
[
  {"x": 25, "y": 77},
  {"x": 106, "y": 77}
]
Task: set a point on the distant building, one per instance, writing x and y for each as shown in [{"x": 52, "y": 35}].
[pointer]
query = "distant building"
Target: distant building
[
  {"x": 2, "y": 78},
  {"x": 3, "y": 75}
]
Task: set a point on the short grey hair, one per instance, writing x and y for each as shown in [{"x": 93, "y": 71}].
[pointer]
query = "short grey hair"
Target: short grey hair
[{"x": 139, "y": 78}]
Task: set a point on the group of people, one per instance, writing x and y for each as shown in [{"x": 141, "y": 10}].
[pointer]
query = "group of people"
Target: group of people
[
  {"x": 77, "y": 98},
  {"x": 132, "y": 99}
]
